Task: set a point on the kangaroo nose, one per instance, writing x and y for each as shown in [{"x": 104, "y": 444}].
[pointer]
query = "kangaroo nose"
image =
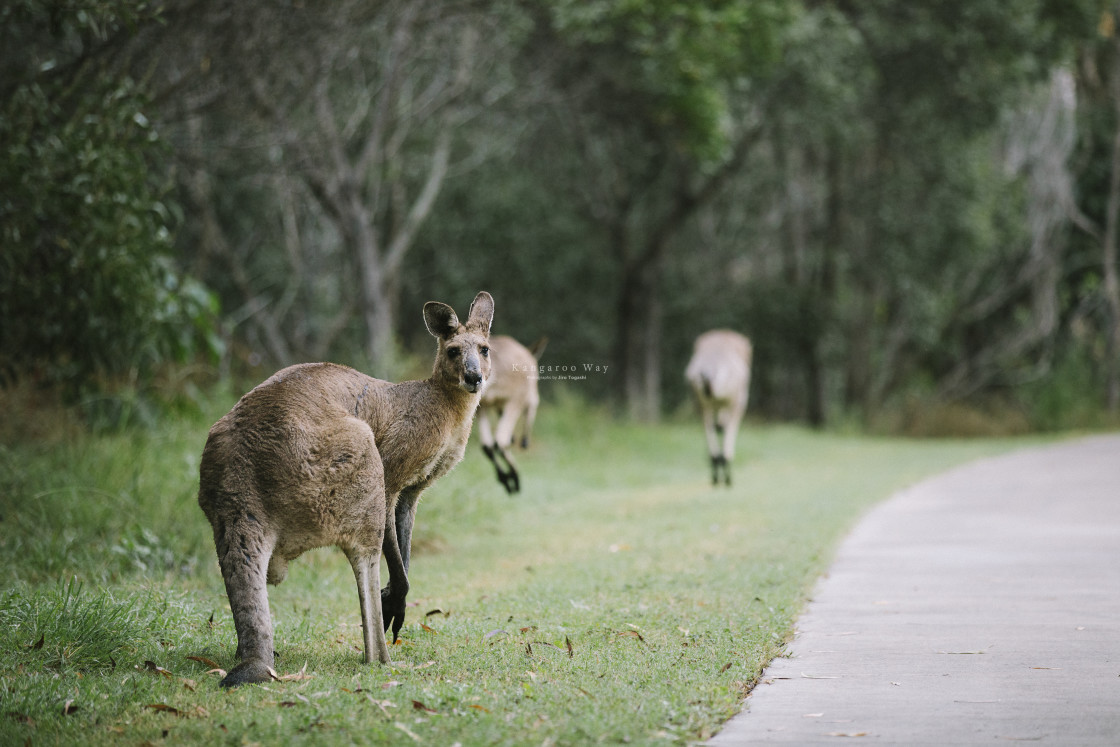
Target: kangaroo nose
[{"x": 472, "y": 378}]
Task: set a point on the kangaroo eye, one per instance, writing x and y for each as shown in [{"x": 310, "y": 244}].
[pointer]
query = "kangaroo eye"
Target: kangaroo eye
[
  {"x": 453, "y": 352},
  {"x": 485, "y": 351}
]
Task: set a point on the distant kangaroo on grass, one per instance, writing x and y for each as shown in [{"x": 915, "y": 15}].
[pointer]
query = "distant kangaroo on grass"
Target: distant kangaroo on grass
[
  {"x": 509, "y": 397},
  {"x": 720, "y": 374},
  {"x": 320, "y": 454}
]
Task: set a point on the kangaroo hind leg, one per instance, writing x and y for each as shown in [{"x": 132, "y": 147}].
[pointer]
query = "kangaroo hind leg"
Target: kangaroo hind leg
[{"x": 243, "y": 554}]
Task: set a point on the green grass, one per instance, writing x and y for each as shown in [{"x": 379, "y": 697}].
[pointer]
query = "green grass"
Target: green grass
[{"x": 618, "y": 599}]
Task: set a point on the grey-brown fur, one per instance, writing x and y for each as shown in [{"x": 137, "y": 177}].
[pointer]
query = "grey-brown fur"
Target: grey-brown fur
[{"x": 320, "y": 454}]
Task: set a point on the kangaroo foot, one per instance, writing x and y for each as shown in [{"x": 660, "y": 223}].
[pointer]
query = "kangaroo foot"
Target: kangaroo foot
[
  {"x": 392, "y": 611},
  {"x": 247, "y": 672},
  {"x": 510, "y": 481}
]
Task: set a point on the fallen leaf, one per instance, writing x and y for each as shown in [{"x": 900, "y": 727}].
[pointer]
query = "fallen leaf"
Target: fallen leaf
[
  {"x": 961, "y": 653},
  {"x": 390, "y": 683},
  {"x": 406, "y": 730},
  {"x": 204, "y": 661},
  {"x": 479, "y": 708},
  {"x": 69, "y": 708},
  {"x": 217, "y": 670},
  {"x": 493, "y": 633},
  {"x": 813, "y": 715},
  {"x": 287, "y": 704},
  {"x": 298, "y": 676},
  {"x": 151, "y": 666},
  {"x": 382, "y": 704},
  {"x": 1020, "y": 739},
  {"x": 426, "y": 629},
  {"x": 568, "y": 645},
  {"x": 39, "y": 643},
  {"x": 210, "y": 622},
  {"x": 189, "y": 684},
  {"x": 817, "y": 677},
  {"x": 417, "y": 705},
  {"x": 163, "y": 707},
  {"x": 437, "y": 611},
  {"x": 725, "y": 667},
  {"x": 846, "y": 734},
  {"x": 633, "y": 634}
]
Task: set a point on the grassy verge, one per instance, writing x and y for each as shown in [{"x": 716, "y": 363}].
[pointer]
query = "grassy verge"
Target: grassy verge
[{"x": 617, "y": 599}]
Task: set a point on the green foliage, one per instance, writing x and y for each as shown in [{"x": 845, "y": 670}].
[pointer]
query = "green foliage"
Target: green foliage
[
  {"x": 957, "y": 63},
  {"x": 871, "y": 218},
  {"x": 70, "y": 629},
  {"x": 87, "y": 288},
  {"x": 674, "y": 66}
]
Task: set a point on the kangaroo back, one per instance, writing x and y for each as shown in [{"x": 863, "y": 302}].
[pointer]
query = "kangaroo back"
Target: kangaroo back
[{"x": 719, "y": 373}]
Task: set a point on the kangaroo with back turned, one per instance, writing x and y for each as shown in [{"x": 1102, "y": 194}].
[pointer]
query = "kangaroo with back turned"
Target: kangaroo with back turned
[
  {"x": 320, "y": 454},
  {"x": 720, "y": 374}
]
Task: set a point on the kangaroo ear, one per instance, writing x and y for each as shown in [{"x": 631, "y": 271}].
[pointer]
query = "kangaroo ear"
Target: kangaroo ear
[
  {"x": 482, "y": 312},
  {"x": 440, "y": 319},
  {"x": 537, "y": 348}
]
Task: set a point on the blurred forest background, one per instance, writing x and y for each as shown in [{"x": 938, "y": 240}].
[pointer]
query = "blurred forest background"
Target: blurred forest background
[{"x": 910, "y": 207}]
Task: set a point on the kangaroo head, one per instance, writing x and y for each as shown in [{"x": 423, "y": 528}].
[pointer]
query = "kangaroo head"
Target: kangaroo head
[{"x": 463, "y": 359}]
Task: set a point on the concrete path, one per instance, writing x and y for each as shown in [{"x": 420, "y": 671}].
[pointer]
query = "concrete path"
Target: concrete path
[{"x": 979, "y": 607}]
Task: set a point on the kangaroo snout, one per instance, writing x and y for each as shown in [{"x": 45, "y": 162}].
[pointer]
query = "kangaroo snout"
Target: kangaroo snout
[{"x": 472, "y": 380}]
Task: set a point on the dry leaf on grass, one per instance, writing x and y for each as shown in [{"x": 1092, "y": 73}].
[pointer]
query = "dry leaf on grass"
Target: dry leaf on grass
[
  {"x": 163, "y": 707},
  {"x": 417, "y": 705},
  {"x": 296, "y": 676},
  {"x": 151, "y": 666}
]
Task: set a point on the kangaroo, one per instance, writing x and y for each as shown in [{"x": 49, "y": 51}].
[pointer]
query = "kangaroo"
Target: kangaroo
[
  {"x": 320, "y": 454},
  {"x": 509, "y": 397},
  {"x": 720, "y": 374}
]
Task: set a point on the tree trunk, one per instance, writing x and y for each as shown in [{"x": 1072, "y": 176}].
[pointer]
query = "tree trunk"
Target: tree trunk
[
  {"x": 639, "y": 342},
  {"x": 1111, "y": 282}
]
